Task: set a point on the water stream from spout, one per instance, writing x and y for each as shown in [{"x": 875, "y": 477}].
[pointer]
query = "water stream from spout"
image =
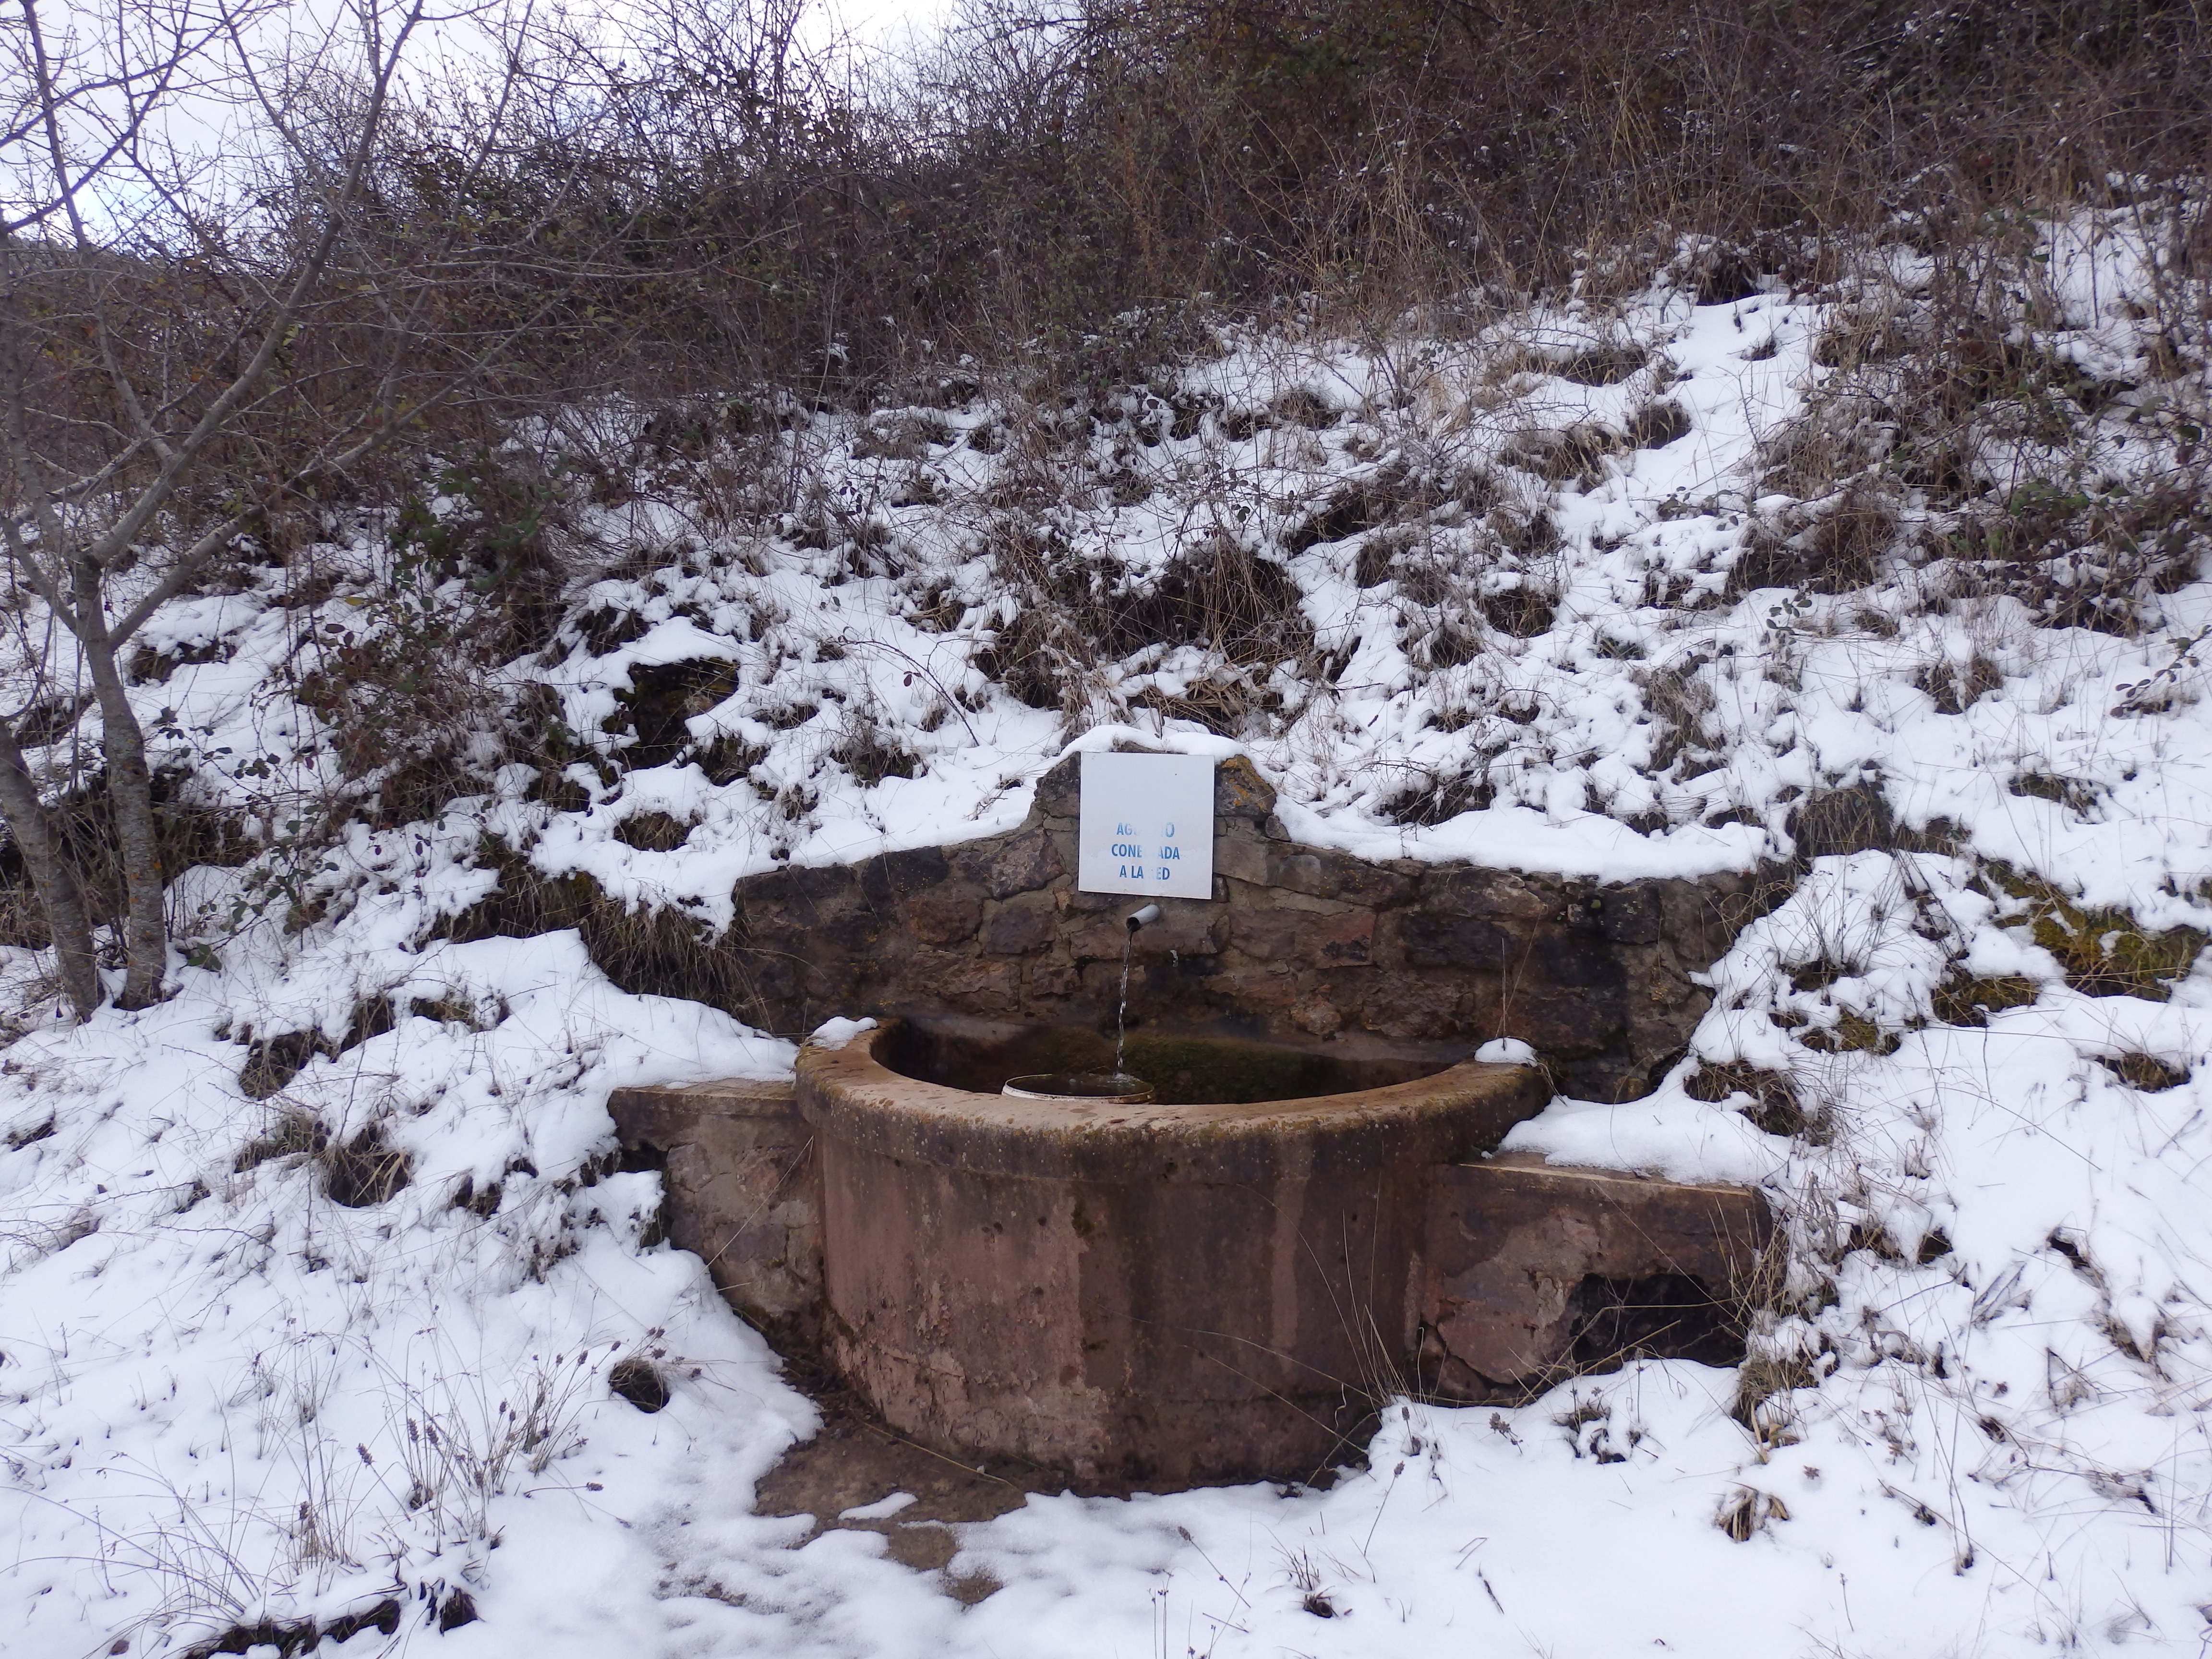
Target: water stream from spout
[{"x": 1121, "y": 1010}]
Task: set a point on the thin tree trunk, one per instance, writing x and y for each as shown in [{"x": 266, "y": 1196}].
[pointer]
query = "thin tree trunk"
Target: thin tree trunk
[
  {"x": 131, "y": 800},
  {"x": 59, "y": 893},
  {"x": 130, "y": 803}
]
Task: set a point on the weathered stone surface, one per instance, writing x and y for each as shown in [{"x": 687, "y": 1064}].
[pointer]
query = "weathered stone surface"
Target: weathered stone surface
[
  {"x": 1242, "y": 858},
  {"x": 820, "y": 886},
  {"x": 944, "y": 918},
  {"x": 1024, "y": 1278},
  {"x": 1259, "y": 989},
  {"x": 1027, "y": 864},
  {"x": 1239, "y": 790},
  {"x": 1502, "y": 896},
  {"x": 1051, "y": 983},
  {"x": 1179, "y": 932},
  {"x": 1022, "y": 927},
  {"x": 1304, "y": 939},
  {"x": 1403, "y": 1006},
  {"x": 1014, "y": 1277},
  {"x": 1630, "y": 914},
  {"x": 1573, "y": 956},
  {"x": 1575, "y": 1029},
  {"x": 742, "y": 1192},
  {"x": 1060, "y": 791},
  {"x": 1324, "y": 874},
  {"x": 1596, "y": 976},
  {"x": 971, "y": 984},
  {"x": 1069, "y": 898},
  {"x": 831, "y": 981},
  {"x": 910, "y": 872},
  {"x": 1434, "y": 940},
  {"x": 1514, "y": 1246}
]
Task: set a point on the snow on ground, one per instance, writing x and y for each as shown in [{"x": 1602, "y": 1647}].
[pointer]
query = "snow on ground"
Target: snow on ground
[{"x": 1534, "y": 628}]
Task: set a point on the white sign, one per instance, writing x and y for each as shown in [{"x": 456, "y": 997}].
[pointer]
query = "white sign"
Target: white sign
[{"x": 1147, "y": 826}]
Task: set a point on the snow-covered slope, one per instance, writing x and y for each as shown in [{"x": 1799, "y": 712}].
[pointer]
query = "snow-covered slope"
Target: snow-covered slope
[{"x": 1900, "y": 574}]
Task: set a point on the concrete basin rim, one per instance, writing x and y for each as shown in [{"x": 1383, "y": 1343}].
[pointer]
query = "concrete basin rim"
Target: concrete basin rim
[{"x": 849, "y": 1093}]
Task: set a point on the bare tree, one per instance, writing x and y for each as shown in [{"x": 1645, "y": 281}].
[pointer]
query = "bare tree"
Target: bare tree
[{"x": 218, "y": 295}]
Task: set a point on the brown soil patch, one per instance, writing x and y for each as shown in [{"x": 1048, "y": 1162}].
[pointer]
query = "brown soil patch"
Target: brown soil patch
[{"x": 854, "y": 1461}]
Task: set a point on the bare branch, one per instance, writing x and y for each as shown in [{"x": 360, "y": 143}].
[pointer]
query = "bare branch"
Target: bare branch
[{"x": 133, "y": 524}]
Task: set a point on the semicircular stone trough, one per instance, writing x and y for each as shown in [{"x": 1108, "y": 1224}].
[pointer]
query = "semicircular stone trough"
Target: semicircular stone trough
[
  {"x": 1226, "y": 1282},
  {"x": 1183, "y": 1291}
]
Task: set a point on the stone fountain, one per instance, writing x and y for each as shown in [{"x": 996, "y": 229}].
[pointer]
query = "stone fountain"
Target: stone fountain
[{"x": 1308, "y": 1216}]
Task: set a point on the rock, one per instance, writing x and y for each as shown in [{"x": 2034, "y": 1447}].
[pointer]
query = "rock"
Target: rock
[
  {"x": 1402, "y": 1006},
  {"x": 741, "y": 1191},
  {"x": 1184, "y": 934},
  {"x": 1060, "y": 791},
  {"x": 1261, "y": 989},
  {"x": 1020, "y": 927},
  {"x": 1625, "y": 915},
  {"x": 1449, "y": 941},
  {"x": 916, "y": 870},
  {"x": 986, "y": 1274},
  {"x": 1524, "y": 1257},
  {"x": 1306, "y": 939},
  {"x": 1240, "y": 855},
  {"x": 1240, "y": 793},
  {"x": 1328, "y": 874},
  {"x": 1495, "y": 895},
  {"x": 1576, "y": 959},
  {"x": 1053, "y": 982},
  {"x": 1304, "y": 943},
  {"x": 1024, "y": 865},
  {"x": 944, "y": 918},
  {"x": 969, "y": 983}
]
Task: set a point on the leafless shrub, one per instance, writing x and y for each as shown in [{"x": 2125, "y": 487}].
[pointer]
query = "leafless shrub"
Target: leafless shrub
[
  {"x": 677, "y": 287},
  {"x": 1828, "y": 546},
  {"x": 1680, "y": 702},
  {"x": 1775, "y": 1105},
  {"x": 358, "y": 1173},
  {"x": 365, "y": 1170},
  {"x": 193, "y": 353},
  {"x": 1433, "y": 796},
  {"x": 1747, "y": 1512},
  {"x": 1567, "y": 453},
  {"x": 871, "y": 750},
  {"x": 462, "y": 1437},
  {"x": 648, "y": 951}
]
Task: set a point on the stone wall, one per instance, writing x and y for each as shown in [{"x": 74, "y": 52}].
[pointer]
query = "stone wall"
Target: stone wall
[
  {"x": 1534, "y": 1272},
  {"x": 1300, "y": 944},
  {"x": 1011, "y": 1280},
  {"x": 742, "y": 1195}
]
